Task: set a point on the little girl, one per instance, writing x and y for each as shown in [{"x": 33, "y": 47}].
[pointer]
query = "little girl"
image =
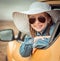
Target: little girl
[{"x": 41, "y": 28}]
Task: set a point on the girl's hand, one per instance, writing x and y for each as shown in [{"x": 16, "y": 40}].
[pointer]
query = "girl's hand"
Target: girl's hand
[
  {"x": 34, "y": 50},
  {"x": 41, "y": 37}
]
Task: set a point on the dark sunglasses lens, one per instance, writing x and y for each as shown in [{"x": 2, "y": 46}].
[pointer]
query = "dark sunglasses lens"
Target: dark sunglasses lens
[
  {"x": 42, "y": 19},
  {"x": 31, "y": 20}
]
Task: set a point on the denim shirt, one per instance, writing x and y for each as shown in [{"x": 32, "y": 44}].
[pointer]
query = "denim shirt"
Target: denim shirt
[{"x": 28, "y": 44}]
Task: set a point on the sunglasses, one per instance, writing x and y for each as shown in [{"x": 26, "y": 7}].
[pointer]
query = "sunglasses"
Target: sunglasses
[{"x": 40, "y": 19}]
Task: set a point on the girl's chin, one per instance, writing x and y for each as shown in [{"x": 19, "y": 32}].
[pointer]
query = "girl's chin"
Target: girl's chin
[{"x": 38, "y": 30}]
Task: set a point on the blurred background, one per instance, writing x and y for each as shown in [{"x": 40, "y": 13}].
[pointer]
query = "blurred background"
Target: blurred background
[{"x": 6, "y": 20}]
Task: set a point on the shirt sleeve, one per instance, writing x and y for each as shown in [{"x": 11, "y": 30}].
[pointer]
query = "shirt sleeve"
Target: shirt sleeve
[
  {"x": 26, "y": 47},
  {"x": 41, "y": 43}
]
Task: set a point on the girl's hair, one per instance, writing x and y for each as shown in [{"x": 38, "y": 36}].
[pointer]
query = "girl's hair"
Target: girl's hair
[{"x": 33, "y": 32}]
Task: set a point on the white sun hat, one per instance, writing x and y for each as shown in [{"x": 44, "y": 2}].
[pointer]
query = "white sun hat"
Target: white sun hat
[
  {"x": 21, "y": 19},
  {"x": 37, "y": 7}
]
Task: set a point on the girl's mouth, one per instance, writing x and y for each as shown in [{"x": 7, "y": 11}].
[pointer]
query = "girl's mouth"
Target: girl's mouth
[{"x": 39, "y": 26}]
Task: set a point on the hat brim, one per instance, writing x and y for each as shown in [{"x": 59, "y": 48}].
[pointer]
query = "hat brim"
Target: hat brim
[{"x": 21, "y": 19}]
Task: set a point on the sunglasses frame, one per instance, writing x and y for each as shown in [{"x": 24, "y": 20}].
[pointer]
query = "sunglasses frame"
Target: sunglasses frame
[{"x": 40, "y": 19}]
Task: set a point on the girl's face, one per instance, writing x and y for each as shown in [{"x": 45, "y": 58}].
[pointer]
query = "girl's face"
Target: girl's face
[{"x": 38, "y": 21}]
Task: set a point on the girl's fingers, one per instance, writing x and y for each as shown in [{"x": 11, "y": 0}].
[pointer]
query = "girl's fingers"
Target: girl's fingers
[{"x": 34, "y": 50}]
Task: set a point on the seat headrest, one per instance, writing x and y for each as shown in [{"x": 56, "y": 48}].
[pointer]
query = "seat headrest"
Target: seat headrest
[{"x": 56, "y": 15}]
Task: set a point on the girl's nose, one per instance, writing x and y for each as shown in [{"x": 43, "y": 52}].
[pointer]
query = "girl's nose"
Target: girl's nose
[{"x": 37, "y": 21}]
